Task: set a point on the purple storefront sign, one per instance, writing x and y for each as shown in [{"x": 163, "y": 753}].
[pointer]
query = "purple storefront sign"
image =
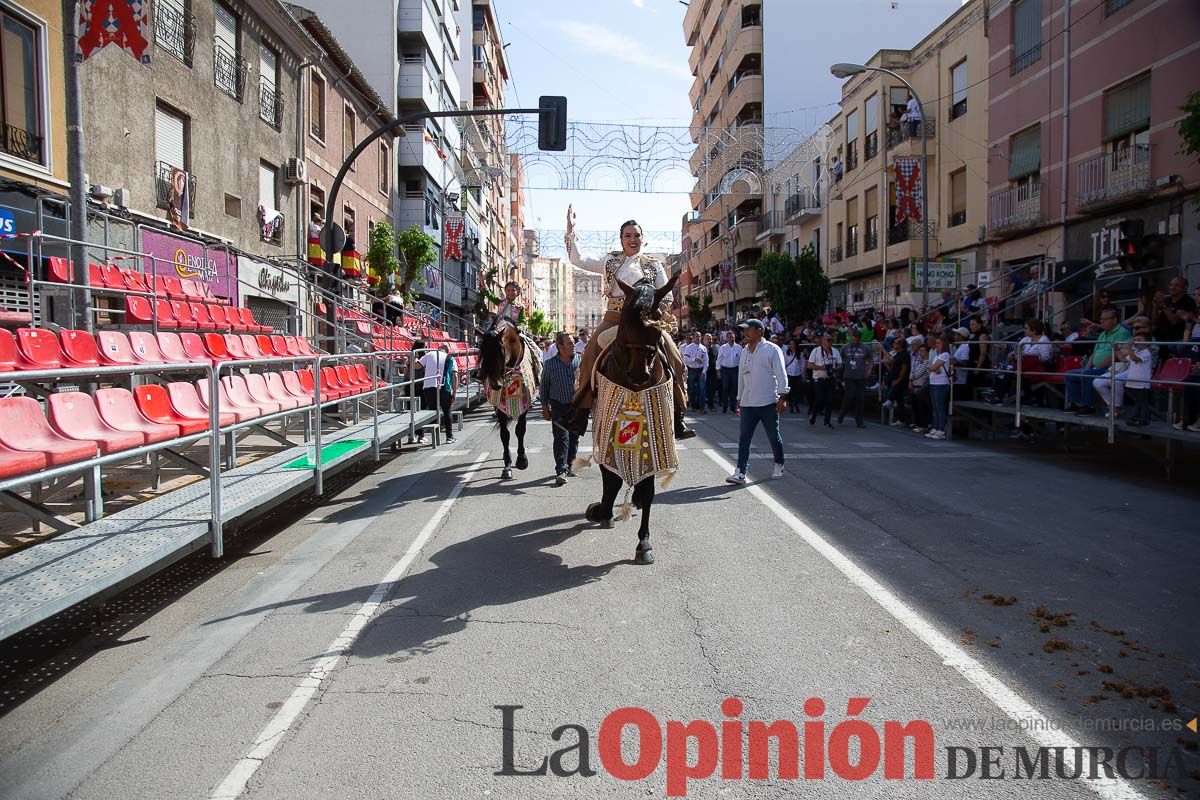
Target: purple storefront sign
[{"x": 184, "y": 258}]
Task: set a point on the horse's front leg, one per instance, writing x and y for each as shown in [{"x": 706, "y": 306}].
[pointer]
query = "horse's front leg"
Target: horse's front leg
[
  {"x": 522, "y": 461},
  {"x": 502, "y": 421},
  {"x": 602, "y": 512},
  {"x": 643, "y": 498}
]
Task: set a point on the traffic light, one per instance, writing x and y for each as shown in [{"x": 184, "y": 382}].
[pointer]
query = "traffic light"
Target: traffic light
[
  {"x": 1129, "y": 246},
  {"x": 552, "y": 124}
]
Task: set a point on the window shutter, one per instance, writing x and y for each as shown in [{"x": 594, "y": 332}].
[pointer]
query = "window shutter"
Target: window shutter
[
  {"x": 168, "y": 138},
  {"x": 1027, "y": 33},
  {"x": 872, "y": 202},
  {"x": 958, "y": 81},
  {"x": 1127, "y": 108},
  {"x": 266, "y": 185},
  {"x": 226, "y": 32},
  {"x": 958, "y": 190},
  {"x": 1025, "y": 153},
  {"x": 268, "y": 63},
  {"x": 872, "y": 114},
  {"x": 852, "y": 126}
]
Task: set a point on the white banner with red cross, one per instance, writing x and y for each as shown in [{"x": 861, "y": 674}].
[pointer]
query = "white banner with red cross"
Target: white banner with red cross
[
  {"x": 454, "y": 237},
  {"x": 727, "y": 279},
  {"x": 908, "y": 189}
]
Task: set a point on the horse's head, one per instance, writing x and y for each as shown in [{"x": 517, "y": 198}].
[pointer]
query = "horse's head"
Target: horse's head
[
  {"x": 500, "y": 346},
  {"x": 637, "y": 339}
]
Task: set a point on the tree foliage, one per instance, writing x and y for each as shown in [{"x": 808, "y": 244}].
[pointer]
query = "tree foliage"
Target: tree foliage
[
  {"x": 381, "y": 255},
  {"x": 699, "y": 309},
  {"x": 419, "y": 251},
  {"x": 796, "y": 288},
  {"x": 539, "y": 325}
]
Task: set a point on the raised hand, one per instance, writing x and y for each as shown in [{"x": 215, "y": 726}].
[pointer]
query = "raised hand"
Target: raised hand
[{"x": 570, "y": 220}]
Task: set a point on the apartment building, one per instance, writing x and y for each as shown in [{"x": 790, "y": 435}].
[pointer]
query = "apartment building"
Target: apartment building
[
  {"x": 589, "y": 299},
  {"x": 726, "y": 37},
  {"x": 794, "y": 201},
  {"x": 519, "y": 271},
  {"x": 871, "y": 260},
  {"x": 1084, "y": 103}
]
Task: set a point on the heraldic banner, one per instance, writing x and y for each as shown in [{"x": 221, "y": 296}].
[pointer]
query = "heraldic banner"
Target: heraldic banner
[
  {"x": 908, "y": 189},
  {"x": 125, "y": 23},
  {"x": 454, "y": 236}
]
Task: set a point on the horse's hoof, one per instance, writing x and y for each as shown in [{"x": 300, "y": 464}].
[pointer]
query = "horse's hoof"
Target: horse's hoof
[
  {"x": 644, "y": 556},
  {"x": 522, "y": 461},
  {"x": 593, "y": 515},
  {"x": 506, "y": 473}
]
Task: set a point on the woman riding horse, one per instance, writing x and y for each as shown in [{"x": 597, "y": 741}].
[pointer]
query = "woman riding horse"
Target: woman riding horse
[
  {"x": 511, "y": 369},
  {"x": 633, "y": 437}
]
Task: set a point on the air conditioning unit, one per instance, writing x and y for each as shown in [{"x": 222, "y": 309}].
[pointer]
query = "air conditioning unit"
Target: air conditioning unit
[
  {"x": 121, "y": 198},
  {"x": 100, "y": 191},
  {"x": 295, "y": 171}
]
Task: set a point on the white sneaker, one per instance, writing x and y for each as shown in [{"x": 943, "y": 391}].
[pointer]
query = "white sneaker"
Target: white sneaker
[
  {"x": 888, "y": 404},
  {"x": 737, "y": 477},
  {"x": 1194, "y": 427},
  {"x": 1177, "y": 425},
  {"x": 931, "y": 435},
  {"x": 939, "y": 435},
  {"x": 778, "y": 473}
]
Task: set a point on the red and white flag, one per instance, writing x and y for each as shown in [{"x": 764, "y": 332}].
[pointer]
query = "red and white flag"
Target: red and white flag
[
  {"x": 908, "y": 189},
  {"x": 125, "y": 23},
  {"x": 453, "y": 238}
]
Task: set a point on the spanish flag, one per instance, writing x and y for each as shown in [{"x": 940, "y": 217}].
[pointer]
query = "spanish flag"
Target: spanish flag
[
  {"x": 316, "y": 256},
  {"x": 351, "y": 260}
]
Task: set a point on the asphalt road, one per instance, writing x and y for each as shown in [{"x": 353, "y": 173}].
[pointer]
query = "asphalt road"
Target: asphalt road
[{"x": 1010, "y": 599}]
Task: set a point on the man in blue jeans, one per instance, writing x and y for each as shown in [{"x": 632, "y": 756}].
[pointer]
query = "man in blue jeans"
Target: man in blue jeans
[
  {"x": 728, "y": 356},
  {"x": 1078, "y": 382},
  {"x": 557, "y": 390},
  {"x": 695, "y": 358},
  {"x": 762, "y": 395}
]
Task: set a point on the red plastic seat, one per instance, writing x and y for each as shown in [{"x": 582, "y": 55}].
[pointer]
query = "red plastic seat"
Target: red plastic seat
[
  {"x": 291, "y": 382},
  {"x": 260, "y": 392},
  {"x": 24, "y": 428},
  {"x": 279, "y": 390},
  {"x": 73, "y": 414},
  {"x": 215, "y": 348},
  {"x": 170, "y": 286},
  {"x": 136, "y": 280},
  {"x": 147, "y": 350},
  {"x": 227, "y": 406},
  {"x": 209, "y": 297},
  {"x": 118, "y": 408},
  {"x": 155, "y": 405},
  {"x": 37, "y": 348},
  {"x": 233, "y": 343},
  {"x": 183, "y": 315},
  {"x": 166, "y": 315},
  {"x": 193, "y": 347},
  {"x": 8, "y": 352},
  {"x": 349, "y": 377},
  {"x": 96, "y": 278},
  {"x": 327, "y": 392},
  {"x": 252, "y": 325},
  {"x": 291, "y": 345},
  {"x": 171, "y": 347},
  {"x": 191, "y": 290},
  {"x": 203, "y": 319},
  {"x": 138, "y": 311},
  {"x": 250, "y": 345},
  {"x": 306, "y": 349},
  {"x": 113, "y": 277},
  {"x": 236, "y": 387},
  {"x": 361, "y": 371},
  {"x": 185, "y": 401},
  {"x": 114, "y": 349},
  {"x": 330, "y": 381},
  {"x": 234, "y": 317},
  {"x": 59, "y": 269},
  {"x": 219, "y": 316},
  {"x": 268, "y": 346},
  {"x": 14, "y": 462},
  {"x": 1065, "y": 365},
  {"x": 1173, "y": 369},
  {"x": 79, "y": 349}
]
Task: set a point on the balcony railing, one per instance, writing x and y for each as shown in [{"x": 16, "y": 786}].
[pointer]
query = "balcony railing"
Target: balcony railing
[
  {"x": 852, "y": 159},
  {"x": 21, "y": 143},
  {"x": 1115, "y": 176},
  {"x": 229, "y": 71},
  {"x": 870, "y": 240},
  {"x": 897, "y": 136},
  {"x": 957, "y": 218},
  {"x": 908, "y": 231},
  {"x": 871, "y": 145},
  {"x": 851, "y": 244},
  {"x": 162, "y": 179},
  {"x": 799, "y": 201},
  {"x": 1016, "y": 207},
  {"x": 769, "y": 220},
  {"x": 175, "y": 31},
  {"x": 270, "y": 104},
  {"x": 835, "y": 255}
]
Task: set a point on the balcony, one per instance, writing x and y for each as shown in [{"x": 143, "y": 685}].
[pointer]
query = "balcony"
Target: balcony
[
  {"x": 851, "y": 244},
  {"x": 1115, "y": 177},
  {"x": 175, "y": 31},
  {"x": 871, "y": 146},
  {"x": 835, "y": 255},
  {"x": 770, "y": 224},
  {"x": 898, "y": 138},
  {"x": 749, "y": 91},
  {"x": 852, "y": 158},
  {"x": 21, "y": 143},
  {"x": 229, "y": 71},
  {"x": 270, "y": 104},
  {"x": 910, "y": 231},
  {"x": 956, "y": 218},
  {"x": 1016, "y": 208},
  {"x": 870, "y": 240},
  {"x": 164, "y": 190},
  {"x": 802, "y": 204}
]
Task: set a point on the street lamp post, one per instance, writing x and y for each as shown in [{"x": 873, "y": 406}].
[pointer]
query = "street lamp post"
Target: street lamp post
[{"x": 845, "y": 71}]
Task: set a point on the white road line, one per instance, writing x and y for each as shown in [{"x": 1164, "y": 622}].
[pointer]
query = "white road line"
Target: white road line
[
  {"x": 234, "y": 784},
  {"x": 875, "y": 454},
  {"x": 1032, "y": 721}
]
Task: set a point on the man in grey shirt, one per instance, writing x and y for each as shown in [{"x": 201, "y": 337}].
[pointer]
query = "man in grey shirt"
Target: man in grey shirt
[{"x": 856, "y": 365}]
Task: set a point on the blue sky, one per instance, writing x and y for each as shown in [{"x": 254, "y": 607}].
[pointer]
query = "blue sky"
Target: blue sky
[{"x": 626, "y": 61}]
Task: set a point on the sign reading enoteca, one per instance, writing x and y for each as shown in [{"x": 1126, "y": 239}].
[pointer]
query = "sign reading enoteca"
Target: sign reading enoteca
[{"x": 187, "y": 258}]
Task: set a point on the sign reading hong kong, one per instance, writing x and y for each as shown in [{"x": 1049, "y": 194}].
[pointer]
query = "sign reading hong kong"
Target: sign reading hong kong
[{"x": 183, "y": 258}]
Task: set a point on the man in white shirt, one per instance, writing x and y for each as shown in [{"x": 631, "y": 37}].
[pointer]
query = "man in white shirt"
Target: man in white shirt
[
  {"x": 581, "y": 344},
  {"x": 627, "y": 265},
  {"x": 962, "y": 358},
  {"x": 728, "y": 356},
  {"x": 762, "y": 395},
  {"x": 913, "y": 115},
  {"x": 824, "y": 361},
  {"x": 695, "y": 358},
  {"x": 439, "y": 386},
  {"x": 550, "y": 352}
]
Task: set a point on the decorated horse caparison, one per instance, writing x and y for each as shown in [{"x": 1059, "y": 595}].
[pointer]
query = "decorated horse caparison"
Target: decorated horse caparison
[
  {"x": 511, "y": 368},
  {"x": 633, "y": 431}
]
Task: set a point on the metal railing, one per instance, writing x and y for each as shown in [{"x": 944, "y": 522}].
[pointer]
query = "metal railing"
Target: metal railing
[
  {"x": 851, "y": 243},
  {"x": 1016, "y": 207},
  {"x": 175, "y": 30},
  {"x": 907, "y": 131},
  {"x": 835, "y": 255},
  {"x": 21, "y": 143},
  {"x": 229, "y": 71},
  {"x": 1115, "y": 176},
  {"x": 270, "y": 103},
  {"x": 164, "y": 190},
  {"x": 909, "y": 230}
]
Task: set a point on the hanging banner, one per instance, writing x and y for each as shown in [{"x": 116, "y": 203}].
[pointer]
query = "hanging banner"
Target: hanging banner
[
  {"x": 727, "y": 279},
  {"x": 180, "y": 203},
  {"x": 316, "y": 255},
  {"x": 125, "y": 23},
  {"x": 908, "y": 189},
  {"x": 453, "y": 237}
]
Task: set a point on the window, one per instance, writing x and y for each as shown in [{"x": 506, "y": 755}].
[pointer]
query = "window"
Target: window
[
  {"x": 270, "y": 106},
  {"x": 1025, "y": 163},
  {"x": 348, "y": 220},
  {"x": 233, "y": 206},
  {"x": 958, "y": 197},
  {"x": 170, "y": 130},
  {"x": 1127, "y": 109},
  {"x": 851, "y": 140},
  {"x": 385, "y": 169},
  {"x": 898, "y": 99},
  {"x": 958, "y": 89},
  {"x": 174, "y": 29},
  {"x": 316, "y": 107},
  {"x": 871, "y": 127},
  {"x": 1027, "y": 34},
  {"x": 316, "y": 203},
  {"x": 229, "y": 71},
  {"x": 871, "y": 233},
  {"x": 852, "y": 227},
  {"x": 348, "y": 137},
  {"x": 1113, "y": 6},
  {"x": 22, "y": 89},
  {"x": 267, "y": 192}
]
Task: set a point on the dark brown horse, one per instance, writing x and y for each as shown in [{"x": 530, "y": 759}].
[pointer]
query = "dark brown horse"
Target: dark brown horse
[
  {"x": 634, "y": 361},
  {"x": 504, "y": 357}
]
